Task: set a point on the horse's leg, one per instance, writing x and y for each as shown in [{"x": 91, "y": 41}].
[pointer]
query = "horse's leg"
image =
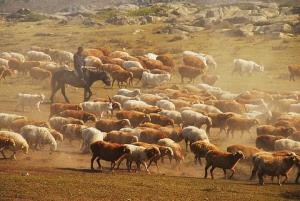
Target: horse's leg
[
  {"x": 63, "y": 91},
  {"x": 90, "y": 93},
  {"x": 54, "y": 90}
]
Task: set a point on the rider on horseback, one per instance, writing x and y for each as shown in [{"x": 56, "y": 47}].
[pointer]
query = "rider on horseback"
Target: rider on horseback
[{"x": 79, "y": 64}]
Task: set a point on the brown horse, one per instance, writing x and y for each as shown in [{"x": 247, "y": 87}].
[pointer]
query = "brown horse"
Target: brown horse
[{"x": 62, "y": 77}]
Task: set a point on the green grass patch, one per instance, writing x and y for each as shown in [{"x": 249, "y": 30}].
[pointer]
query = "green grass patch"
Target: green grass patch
[{"x": 152, "y": 10}]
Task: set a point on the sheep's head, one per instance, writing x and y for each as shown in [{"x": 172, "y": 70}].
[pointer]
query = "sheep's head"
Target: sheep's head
[
  {"x": 25, "y": 148},
  {"x": 239, "y": 155},
  {"x": 152, "y": 151},
  {"x": 146, "y": 118},
  {"x": 290, "y": 130},
  {"x": 126, "y": 150},
  {"x": 125, "y": 123},
  {"x": 170, "y": 122},
  {"x": 255, "y": 122},
  {"x": 89, "y": 117}
]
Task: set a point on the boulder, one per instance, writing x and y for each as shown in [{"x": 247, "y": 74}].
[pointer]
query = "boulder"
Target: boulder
[
  {"x": 269, "y": 12},
  {"x": 229, "y": 11},
  {"x": 274, "y": 28}
]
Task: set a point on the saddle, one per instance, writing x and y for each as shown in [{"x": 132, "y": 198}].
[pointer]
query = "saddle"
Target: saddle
[{"x": 73, "y": 78}]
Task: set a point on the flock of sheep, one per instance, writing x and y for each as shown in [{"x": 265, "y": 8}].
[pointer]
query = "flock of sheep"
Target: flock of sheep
[{"x": 143, "y": 126}]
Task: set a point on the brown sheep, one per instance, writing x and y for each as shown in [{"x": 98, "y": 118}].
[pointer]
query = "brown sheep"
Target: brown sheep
[
  {"x": 294, "y": 70},
  {"x": 210, "y": 79},
  {"x": 248, "y": 151},
  {"x": 200, "y": 149},
  {"x": 272, "y": 130},
  {"x": 193, "y": 61},
  {"x": 222, "y": 160},
  {"x": 134, "y": 117},
  {"x": 166, "y": 59},
  {"x": 56, "y": 108},
  {"x": 93, "y": 52},
  {"x": 120, "y": 137},
  {"x": 150, "y": 135},
  {"x": 161, "y": 119},
  {"x": 153, "y": 64},
  {"x": 219, "y": 120},
  {"x": 240, "y": 123},
  {"x": 122, "y": 76},
  {"x": 189, "y": 72},
  {"x": 266, "y": 142},
  {"x": 137, "y": 73},
  {"x": 81, "y": 115},
  {"x": 107, "y": 151},
  {"x": 57, "y": 135},
  {"x": 107, "y": 125},
  {"x": 148, "y": 109},
  {"x": 150, "y": 125},
  {"x": 5, "y": 73},
  {"x": 39, "y": 73},
  {"x": 20, "y": 123},
  {"x": 111, "y": 68},
  {"x": 72, "y": 131},
  {"x": 229, "y": 106}
]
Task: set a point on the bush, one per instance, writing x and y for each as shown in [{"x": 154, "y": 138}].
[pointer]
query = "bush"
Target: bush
[{"x": 152, "y": 10}]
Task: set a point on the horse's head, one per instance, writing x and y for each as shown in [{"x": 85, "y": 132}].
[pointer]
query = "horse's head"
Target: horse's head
[{"x": 106, "y": 79}]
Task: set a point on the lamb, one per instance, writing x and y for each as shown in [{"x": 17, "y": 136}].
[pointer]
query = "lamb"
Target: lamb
[
  {"x": 189, "y": 72},
  {"x": 139, "y": 155},
  {"x": 20, "y": 142},
  {"x": 58, "y": 122},
  {"x": 107, "y": 151},
  {"x": 120, "y": 137},
  {"x": 222, "y": 160},
  {"x": 161, "y": 120},
  {"x": 154, "y": 79},
  {"x": 38, "y": 136},
  {"x": 240, "y": 123},
  {"x": 129, "y": 93},
  {"x": 200, "y": 149},
  {"x": 176, "y": 116},
  {"x": 192, "y": 134},
  {"x": 89, "y": 136},
  {"x": 134, "y": 117},
  {"x": 122, "y": 76},
  {"x": 243, "y": 66},
  {"x": 191, "y": 118},
  {"x": 7, "y": 119},
  {"x": 38, "y": 56},
  {"x": 122, "y": 99},
  {"x": 287, "y": 144},
  {"x": 294, "y": 70},
  {"x": 177, "y": 150},
  {"x": 272, "y": 130},
  {"x": 107, "y": 125},
  {"x": 80, "y": 115},
  {"x": 29, "y": 100},
  {"x": 16, "y": 125},
  {"x": 210, "y": 79},
  {"x": 39, "y": 73},
  {"x": 72, "y": 131},
  {"x": 165, "y": 105},
  {"x": 56, "y": 108},
  {"x": 267, "y": 142},
  {"x": 6, "y": 143},
  {"x": 97, "y": 108}
]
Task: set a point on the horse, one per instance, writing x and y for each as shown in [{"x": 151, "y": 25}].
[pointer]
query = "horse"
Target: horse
[{"x": 62, "y": 77}]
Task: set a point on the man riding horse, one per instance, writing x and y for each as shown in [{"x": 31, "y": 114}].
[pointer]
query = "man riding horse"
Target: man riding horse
[{"x": 79, "y": 63}]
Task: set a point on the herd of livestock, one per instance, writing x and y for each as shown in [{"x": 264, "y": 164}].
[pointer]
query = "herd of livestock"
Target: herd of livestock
[{"x": 145, "y": 125}]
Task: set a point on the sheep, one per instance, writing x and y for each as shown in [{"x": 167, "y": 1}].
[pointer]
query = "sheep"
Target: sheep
[
  {"x": 89, "y": 136},
  {"x": 5, "y": 55},
  {"x": 29, "y": 100},
  {"x": 129, "y": 93},
  {"x": 272, "y": 130},
  {"x": 20, "y": 142},
  {"x": 5, "y": 72},
  {"x": 175, "y": 115},
  {"x": 200, "y": 149},
  {"x": 119, "y": 54},
  {"x": 132, "y": 64},
  {"x": 57, "y": 135},
  {"x": 17, "y": 56},
  {"x": 189, "y": 72},
  {"x": 198, "y": 55},
  {"x": 72, "y": 131},
  {"x": 210, "y": 79},
  {"x": 62, "y": 57},
  {"x": 122, "y": 76},
  {"x": 161, "y": 120},
  {"x": 132, "y": 104},
  {"x": 165, "y": 105},
  {"x": 242, "y": 66},
  {"x": 93, "y": 52},
  {"x": 219, "y": 120},
  {"x": 80, "y": 115},
  {"x": 137, "y": 73},
  {"x": 192, "y": 134},
  {"x": 147, "y": 109},
  {"x": 229, "y": 106},
  {"x": 120, "y": 137},
  {"x": 6, "y": 143},
  {"x": 154, "y": 79},
  {"x": 153, "y": 64},
  {"x": 177, "y": 150},
  {"x": 38, "y": 136},
  {"x": 206, "y": 108},
  {"x": 38, "y": 56},
  {"x": 58, "y": 122},
  {"x": 134, "y": 117},
  {"x": 39, "y": 73},
  {"x": 151, "y": 135},
  {"x": 16, "y": 125},
  {"x": 151, "y": 99},
  {"x": 122, "y": 99},
  {"x": 294, "y": 70},
  {"x": 93, "y": 61},
  {"x": 166, "y": 59},
  {"x": 7, "y": 119},
  {"x": 248, "y": 151},
  {"x": 107, "y": 125},
  {"x": 194, "y": 61},
  {"x": 97, "y": 108},
  {"x": 4, "y": 62},
  {"x": 191, "y": 118},
  {"x": 267, "y": 142},
  {"x": 56, "y": 108},
  {"x": 222, "y": 160},
  {"x": 151, "y": 56},
  {"x": 107, "y": 151},
  {"x": 286, "y": 144},
  {"x": 240, "y": 123}
]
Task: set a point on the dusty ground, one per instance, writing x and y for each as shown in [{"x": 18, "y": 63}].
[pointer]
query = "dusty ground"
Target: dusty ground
[{"x": 65, "y": 175}]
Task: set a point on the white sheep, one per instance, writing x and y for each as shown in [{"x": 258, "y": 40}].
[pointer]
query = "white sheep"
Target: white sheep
[
  {"x": 287, "y": 144},
  {"x": 20, "y": 142},
  {"x": 132, "y": 131},
  {"x": 165, "y": 105},
  {"x": 175, "y": 115},
  {"x": 97, "y": 108},
  {"x": 121, "y": 99},
  {"x": 38, "y": 136},
  {"x": 7, "y": 119},
  {"x": 5, "y": 55},
  {"x": 29, "y": 100},
  {"x": 58, "y": 122},
  {"x": 63, "y": 56},
  {"x": 38, "y": 56},
  {"x": 92, "y": 61},
  {"x": 129, "y": 93},
  {"x": 3, "y": 62},
  {"x": 192, "y": 134},
  {"x": 90, "y": 135},
  {"x": 150, "y": 79},
  {"x": 206, "y": 108},
  {"x": 131, "y": 104},
  {"x": 151, "y": 56},
  {"x": 243, "y": 66},
  {"x": 192, "y": 118},
  {"x": 131, "y": 64},
  {"x": 17, "y": 56}
]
